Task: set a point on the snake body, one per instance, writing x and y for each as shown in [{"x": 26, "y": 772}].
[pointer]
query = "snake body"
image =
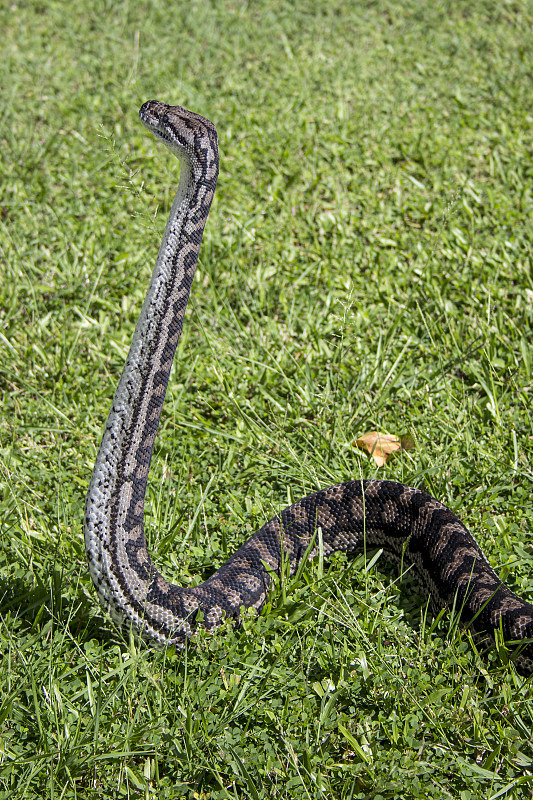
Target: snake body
[{"x": 412, "y": 527}]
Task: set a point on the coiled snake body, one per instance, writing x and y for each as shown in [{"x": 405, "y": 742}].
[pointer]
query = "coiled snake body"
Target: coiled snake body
[{"x": 407, "y": 523}]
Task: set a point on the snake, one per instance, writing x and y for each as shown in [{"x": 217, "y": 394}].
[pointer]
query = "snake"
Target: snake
[{"x": 407, "y": 524}]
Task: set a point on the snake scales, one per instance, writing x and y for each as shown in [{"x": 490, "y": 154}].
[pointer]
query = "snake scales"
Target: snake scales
[{"x": 407, "y": 523}]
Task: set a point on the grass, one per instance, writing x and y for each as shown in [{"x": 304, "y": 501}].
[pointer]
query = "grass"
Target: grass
[{"x": 367, "y": 264}]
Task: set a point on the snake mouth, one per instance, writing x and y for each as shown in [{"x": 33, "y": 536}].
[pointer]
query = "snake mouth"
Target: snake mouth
[{"x": 161, "y": 134}]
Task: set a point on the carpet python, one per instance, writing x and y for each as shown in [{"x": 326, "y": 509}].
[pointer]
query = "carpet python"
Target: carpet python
[{"x": 407, "y": 523}]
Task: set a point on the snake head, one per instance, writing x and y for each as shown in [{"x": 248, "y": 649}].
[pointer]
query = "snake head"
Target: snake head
[{"x": 186, "y": 134}]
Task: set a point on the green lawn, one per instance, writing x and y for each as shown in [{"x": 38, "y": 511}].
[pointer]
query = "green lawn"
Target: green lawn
[{"x": 367, "y": 265}]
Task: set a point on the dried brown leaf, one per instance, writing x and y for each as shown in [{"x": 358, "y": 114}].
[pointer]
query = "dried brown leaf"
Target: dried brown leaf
[{"x": 382, "y": 445}]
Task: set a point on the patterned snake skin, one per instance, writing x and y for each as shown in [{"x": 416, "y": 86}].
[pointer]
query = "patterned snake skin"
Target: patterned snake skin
[{"x": 408, "y": 524}]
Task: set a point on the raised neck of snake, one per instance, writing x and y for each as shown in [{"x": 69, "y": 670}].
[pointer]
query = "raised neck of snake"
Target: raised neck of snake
[{"x": 119, "y": 563}]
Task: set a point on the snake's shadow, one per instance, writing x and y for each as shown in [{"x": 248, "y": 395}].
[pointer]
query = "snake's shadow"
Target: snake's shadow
[{"x": 37, "y": 606}]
